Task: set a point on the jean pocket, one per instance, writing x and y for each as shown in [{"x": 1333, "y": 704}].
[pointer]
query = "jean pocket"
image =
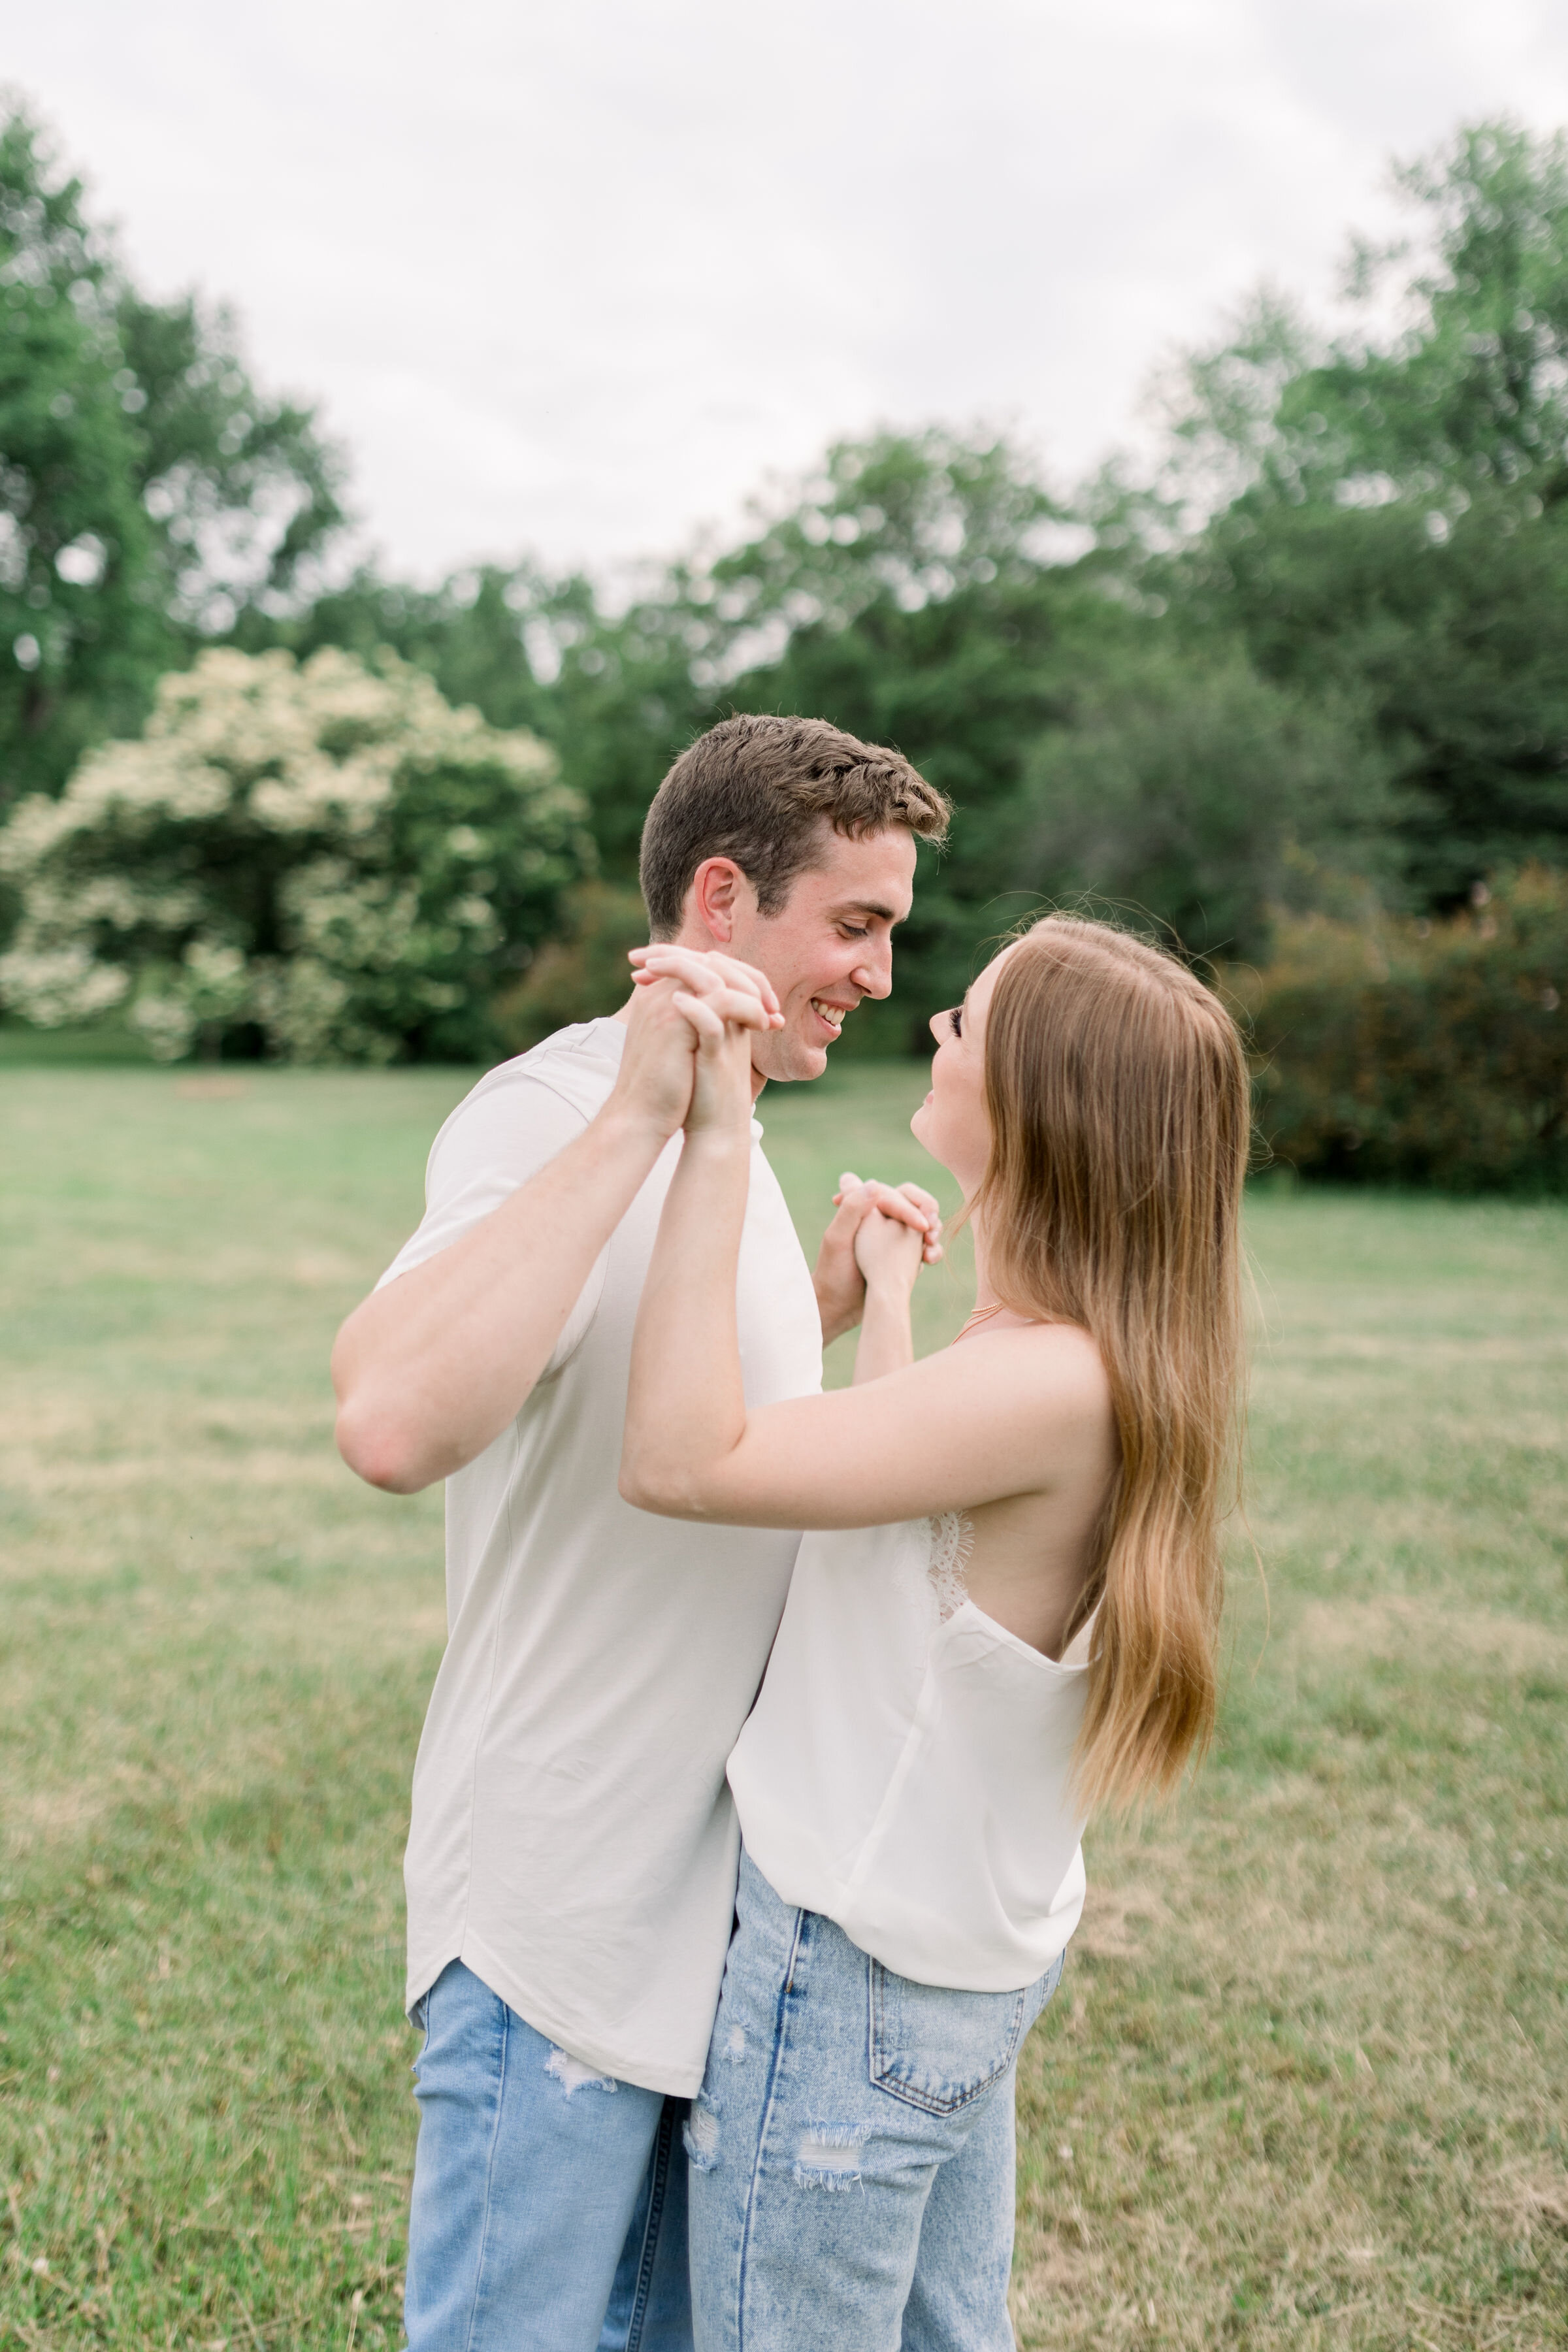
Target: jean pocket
[{"x": 936, "y": 2048}]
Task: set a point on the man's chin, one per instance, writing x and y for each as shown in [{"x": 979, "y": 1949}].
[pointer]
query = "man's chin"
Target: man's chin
[{"x": 785, "y": 1058}]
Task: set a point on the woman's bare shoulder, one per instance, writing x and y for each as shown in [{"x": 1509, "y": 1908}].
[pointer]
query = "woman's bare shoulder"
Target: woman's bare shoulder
[{"x": 1053, "y": 1365}]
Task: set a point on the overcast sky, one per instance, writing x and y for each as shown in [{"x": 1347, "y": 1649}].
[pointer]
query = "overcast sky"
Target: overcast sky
[{"x": 578, "y": 279}]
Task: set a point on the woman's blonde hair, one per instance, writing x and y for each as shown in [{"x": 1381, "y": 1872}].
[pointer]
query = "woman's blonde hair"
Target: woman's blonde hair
[{"x": 1118, "y": 1095}]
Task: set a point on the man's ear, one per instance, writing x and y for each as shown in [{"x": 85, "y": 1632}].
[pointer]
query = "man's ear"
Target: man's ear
[{"x": 718, "y": 893}]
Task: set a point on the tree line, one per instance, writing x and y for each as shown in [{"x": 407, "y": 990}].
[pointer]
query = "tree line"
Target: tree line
[{"x": 1307, "y": 666}]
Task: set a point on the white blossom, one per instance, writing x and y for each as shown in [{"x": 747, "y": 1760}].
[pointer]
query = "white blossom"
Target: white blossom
[{"x": 248, "y": 859}]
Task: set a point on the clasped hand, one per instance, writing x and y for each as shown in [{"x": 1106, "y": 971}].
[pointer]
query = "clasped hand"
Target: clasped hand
[
  {"x": 720, "y": 1003},
  {"x": 714, "y": 1003}
]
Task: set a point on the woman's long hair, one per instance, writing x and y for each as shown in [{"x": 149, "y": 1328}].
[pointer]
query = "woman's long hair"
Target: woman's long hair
[{"x": 1117, "y": 1089}]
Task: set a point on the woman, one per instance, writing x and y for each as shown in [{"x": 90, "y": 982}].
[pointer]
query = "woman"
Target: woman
[{"x": 1010, "y": 1618}]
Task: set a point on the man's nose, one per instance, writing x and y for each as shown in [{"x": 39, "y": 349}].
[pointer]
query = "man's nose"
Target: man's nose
[{"x": 873, "y": 975}]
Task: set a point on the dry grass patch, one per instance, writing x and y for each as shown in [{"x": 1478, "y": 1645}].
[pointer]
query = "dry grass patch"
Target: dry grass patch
[{"x": 1400, "y": 1628}]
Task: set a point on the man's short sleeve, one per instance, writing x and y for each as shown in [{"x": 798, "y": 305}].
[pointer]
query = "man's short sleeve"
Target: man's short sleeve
[{"x": 494, "y": 1141}]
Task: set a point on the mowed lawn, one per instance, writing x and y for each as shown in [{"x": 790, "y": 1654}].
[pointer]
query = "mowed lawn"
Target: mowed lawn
[{"x": 1305, "y": 2081}]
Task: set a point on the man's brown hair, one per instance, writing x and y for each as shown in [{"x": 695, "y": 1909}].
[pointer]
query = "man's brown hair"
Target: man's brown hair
[{"x": 757, "y": 790}]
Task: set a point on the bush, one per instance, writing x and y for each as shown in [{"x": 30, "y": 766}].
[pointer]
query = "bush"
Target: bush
[
  {"x": 324, "y": 863},
  {"x": 582, "y": 973},
  {"x": 1417, "y": 1053}
]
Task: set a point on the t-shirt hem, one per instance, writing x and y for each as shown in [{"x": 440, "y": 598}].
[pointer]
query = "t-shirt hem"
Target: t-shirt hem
[
  {"x": 596, "y": 2050},
  {"x": 910, "y": 1943}
]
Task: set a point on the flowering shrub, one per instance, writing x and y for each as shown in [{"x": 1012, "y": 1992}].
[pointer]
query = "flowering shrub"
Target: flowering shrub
[
  {"x": 329, "y": 862},
  {"x": 1420, "y": 1053}
]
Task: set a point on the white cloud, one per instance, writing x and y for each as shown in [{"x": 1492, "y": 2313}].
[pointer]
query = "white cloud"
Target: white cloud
[{"x": 575, "y": 280}]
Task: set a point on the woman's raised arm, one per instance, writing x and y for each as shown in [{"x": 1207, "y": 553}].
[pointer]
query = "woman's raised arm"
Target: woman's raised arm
[{"x": 1010, "y": 1412}]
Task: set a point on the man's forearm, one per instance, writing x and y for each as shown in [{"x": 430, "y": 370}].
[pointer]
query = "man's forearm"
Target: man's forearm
[
  {"x": 838, "y": 1280},
  {"x": 835, "y": 1312},
  {"x": 429, "y": 1370}
]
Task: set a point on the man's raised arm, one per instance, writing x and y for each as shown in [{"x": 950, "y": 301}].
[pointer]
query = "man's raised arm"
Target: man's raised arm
[{"x": 429, "y": 1370}]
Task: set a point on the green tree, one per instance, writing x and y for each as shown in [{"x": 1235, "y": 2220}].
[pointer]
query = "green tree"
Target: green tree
[
  {"x": 1456, "y": 644},
  {"x": 148, "y": 492},
  {"x": 1383, "y": 518},
  {"x": 1203, "y": 797},
  {"x": 1473, "y": 393}
]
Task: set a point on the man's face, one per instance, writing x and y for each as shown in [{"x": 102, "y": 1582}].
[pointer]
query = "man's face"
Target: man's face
[{"x": 830, "y": 945}]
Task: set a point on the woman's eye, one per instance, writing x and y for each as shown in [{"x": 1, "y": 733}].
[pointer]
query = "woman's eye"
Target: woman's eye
[{"x": 956, "y": 1019}]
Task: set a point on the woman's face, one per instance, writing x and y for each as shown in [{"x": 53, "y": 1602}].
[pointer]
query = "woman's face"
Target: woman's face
[{"x": 952, "y": 1122}]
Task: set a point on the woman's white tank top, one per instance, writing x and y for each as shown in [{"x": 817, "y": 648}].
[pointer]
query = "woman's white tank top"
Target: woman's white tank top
[{"x": 905, "y": 1768}]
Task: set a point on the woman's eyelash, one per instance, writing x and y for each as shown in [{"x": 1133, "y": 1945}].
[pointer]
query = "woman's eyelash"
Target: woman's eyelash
[{"x": 956, "y": 1017}]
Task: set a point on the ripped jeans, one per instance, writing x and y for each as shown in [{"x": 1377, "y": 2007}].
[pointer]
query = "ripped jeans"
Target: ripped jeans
[
  {"x": 549, "y": 2210},
  {"x": 852, "y": 2172}
]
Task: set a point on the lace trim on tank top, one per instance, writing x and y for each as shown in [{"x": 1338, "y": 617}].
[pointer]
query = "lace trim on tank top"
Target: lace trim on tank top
[{"x": 951, "y": 1542}]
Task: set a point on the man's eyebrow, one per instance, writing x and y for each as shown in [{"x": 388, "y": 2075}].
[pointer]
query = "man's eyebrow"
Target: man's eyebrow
[{"x": 867, "y": 907}]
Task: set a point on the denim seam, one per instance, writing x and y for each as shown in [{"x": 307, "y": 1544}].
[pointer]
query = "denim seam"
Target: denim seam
[
  {"x": 873, "y": 2018},
  {"x": 657, "y": 2193},
  {"x": 490, "y": 2170},
  {"x": 781, "y": 2030}
]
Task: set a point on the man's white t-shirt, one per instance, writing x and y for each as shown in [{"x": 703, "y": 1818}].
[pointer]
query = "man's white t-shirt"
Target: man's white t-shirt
[{"x": 573, "y": 1839}]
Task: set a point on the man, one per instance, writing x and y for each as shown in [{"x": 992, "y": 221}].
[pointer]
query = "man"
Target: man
[{"x": 572, "y": 1852}]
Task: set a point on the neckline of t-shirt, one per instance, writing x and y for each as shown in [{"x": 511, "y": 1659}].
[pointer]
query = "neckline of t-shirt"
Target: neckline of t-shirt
[
  {"x": 591, "y": 1038},
  {"x": 594, "y": 1031}
]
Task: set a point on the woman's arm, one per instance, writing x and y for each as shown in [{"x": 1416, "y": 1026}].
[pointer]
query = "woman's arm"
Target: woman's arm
[
  {"x": 1009, "y": 1412},
  {"x": 686, "y": 1399}
]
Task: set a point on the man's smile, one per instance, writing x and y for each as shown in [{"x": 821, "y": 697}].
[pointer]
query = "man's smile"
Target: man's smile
[{"x": 831, "y": 1015}]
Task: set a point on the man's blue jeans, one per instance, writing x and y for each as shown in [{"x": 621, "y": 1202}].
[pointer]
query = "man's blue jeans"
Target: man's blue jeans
[{"x": 549, "y": 2209}]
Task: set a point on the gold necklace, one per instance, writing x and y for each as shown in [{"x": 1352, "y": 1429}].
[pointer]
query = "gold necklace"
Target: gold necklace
[{"x": 979, "y": 1315}]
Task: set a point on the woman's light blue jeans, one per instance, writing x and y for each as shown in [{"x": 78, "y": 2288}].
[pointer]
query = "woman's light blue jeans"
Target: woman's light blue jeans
[{"x": 852, "y": 2172}]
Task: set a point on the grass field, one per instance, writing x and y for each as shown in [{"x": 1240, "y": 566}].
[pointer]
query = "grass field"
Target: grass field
[{"x": 1306, "y": 2083}]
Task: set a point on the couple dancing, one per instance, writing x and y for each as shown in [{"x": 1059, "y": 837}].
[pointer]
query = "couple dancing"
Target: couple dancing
[{"x": 658, "y": 2106}]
